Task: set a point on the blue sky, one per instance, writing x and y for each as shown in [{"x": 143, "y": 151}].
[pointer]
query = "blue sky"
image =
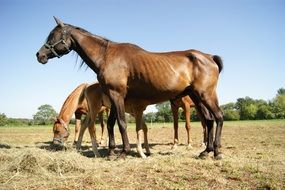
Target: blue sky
[{"x": 248, "y": 34}]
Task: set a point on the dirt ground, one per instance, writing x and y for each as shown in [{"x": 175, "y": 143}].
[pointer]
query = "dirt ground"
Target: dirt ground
[{"x": 254, "y": 158}]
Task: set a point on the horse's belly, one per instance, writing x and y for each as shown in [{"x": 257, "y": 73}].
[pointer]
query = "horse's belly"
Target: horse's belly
[{"x": 154, "y": 94}]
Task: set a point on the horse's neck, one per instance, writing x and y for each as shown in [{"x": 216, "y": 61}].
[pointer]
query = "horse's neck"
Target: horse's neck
[
  {"x": 71, "y": 103},
  {"x": 90, "y": 48}
]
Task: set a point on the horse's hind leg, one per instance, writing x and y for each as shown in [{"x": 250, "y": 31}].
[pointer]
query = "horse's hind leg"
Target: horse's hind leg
[
  {"x": 210, "y": 100},
  {"x": 207, "y": 119},
  {"x": 218, "y": 114}
]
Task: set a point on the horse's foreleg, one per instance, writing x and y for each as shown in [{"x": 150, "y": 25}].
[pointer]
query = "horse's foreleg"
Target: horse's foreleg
[
  {"x": 110, "y": 126},
  {"x": 205, "y": 134},
  {"x": 118, "y": 103},
  {"x": 174, "y": 109}
]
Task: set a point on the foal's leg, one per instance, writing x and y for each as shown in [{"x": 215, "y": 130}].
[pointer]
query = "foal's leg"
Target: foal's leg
[
  {"x": 77, "y": 127},
  {"x": 101, "y": 119},
  {"x": 174, "y": 109},
  {"x": 187, "y": 112},
  {"x": 81, "y": 133},
  {"x": 145, "y": 130},
  {"x": 205, "y": 134},
  {"x": 92, "y": 132},
  {"x": 139, "y": 131}
]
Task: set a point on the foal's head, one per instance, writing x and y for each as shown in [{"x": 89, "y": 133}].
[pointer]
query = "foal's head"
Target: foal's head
[
  {"x": 60, "y": 133},
  {"x": 58, "y": 43}
]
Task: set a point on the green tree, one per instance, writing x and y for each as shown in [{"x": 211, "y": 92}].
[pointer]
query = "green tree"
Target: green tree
[
  {"x": 278, "y": 104},
  {"x": 264, "y": 112},
  {"x": 163, "y": 112},
  {"x": 45, "y": 115},
  {"x": 247, "y": 108},
  {"x": 194, "y": 115},
  {"x": 150, "y": 117},
  {"x": 3, "y": 119},
  {"x": 230, "y": 112}
]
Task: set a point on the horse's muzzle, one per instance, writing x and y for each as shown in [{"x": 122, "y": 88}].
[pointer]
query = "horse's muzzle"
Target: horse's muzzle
[
  {"x": 57, "y": 144},
  {"x": 42, "y": 58}
]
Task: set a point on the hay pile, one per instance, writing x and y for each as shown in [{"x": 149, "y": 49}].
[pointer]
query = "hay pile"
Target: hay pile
[{"x": 42, "y": 166}]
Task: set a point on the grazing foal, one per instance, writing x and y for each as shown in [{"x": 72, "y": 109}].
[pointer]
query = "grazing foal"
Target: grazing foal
[{"x": 76, "y": 103}]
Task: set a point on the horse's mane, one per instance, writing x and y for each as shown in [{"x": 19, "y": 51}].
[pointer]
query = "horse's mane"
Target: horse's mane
[{"x": 103, "y": 39}]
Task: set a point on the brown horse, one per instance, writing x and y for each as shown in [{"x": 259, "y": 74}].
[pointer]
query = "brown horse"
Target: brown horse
[
  {"x": 127, "y": 72},
  {"x": 186, "y": 103},
  {"x": 75, "y": 103}
]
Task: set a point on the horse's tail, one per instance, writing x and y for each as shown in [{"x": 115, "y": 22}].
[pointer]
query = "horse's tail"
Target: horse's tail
[{"x": 218, "y": 60}]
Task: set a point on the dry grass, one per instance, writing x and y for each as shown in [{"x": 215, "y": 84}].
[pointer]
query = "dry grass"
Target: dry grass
[{"x": 254, "y": 159}]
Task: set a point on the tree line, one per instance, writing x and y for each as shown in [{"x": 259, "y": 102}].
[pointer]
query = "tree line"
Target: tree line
[{"x": 243, "y": 109}]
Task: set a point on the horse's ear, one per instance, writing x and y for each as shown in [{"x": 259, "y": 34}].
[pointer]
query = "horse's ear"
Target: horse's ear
[{"x": 59, "y": 22}]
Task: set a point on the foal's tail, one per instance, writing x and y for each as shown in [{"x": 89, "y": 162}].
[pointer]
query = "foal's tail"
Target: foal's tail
[{"x": 218, "y": 60}]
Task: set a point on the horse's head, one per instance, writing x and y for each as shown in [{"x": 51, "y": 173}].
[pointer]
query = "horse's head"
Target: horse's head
[
  {"x": 60, "y": 133},
  {"x": 58, "y": 43}
]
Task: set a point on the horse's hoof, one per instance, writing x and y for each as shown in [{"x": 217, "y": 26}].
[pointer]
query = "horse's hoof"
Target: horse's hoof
[
  {"x": 97, "y": 155},
  {"x": 123, "y": 155},
  {"x": 189, "y": 147},
  {"x": 203, "y": 155},
  {"x": 111, "y": 157},
  {"x": 203, "y": 145},
  {"x": 219, "y": 156},
  {"x": 148, "y": 154},
  {"x": 174, "y": 147}
]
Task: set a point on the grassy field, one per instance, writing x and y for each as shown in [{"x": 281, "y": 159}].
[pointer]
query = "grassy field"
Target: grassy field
[{"x": 254, "y": 158}]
